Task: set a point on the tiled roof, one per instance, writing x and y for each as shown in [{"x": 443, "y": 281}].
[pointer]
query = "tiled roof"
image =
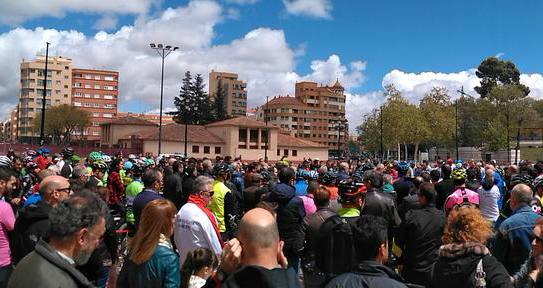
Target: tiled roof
[
  {"x": 176, "y": 132},
  {"x": 242, "y": 122},
  {"x": 285, "y": 140},
  {"x": 130, "y": 121},
  {"x": 285, "y": 100}
]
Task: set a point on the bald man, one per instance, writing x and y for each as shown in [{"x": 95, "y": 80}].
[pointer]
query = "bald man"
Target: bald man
[
  {"x": 513, "y": 240},
  {"x": 33, "y": 221},
  {"x": 256, "y": 259}
]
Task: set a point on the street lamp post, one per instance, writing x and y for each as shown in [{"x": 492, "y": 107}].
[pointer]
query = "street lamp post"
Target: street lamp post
[
  {"x": 42, "y": 128},
  {"x": 163, "y": 51},
  {"x": 381, "y": 120},
  {"x": 462, "y": 94}
]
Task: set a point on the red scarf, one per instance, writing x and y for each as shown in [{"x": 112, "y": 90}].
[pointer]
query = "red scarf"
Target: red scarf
[{"x": 195, "y": 199}]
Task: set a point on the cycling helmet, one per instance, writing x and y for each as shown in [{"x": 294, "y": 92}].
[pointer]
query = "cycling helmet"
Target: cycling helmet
[
  {"x": 329, "y": 178},
  {"x": 148, "y": 162},
  {"x": 266, "y": 175},
  {"x": 221, "y": 169},
  {"x": 31, "y": 165},
  {"x": 313, "y": 174},
  {"x": 31, "y": 153},
  {"x": 131, "y": 156},
  {"x": 137, "y": 169},
  {"x": 402, "y": 166},
  {"x": 95, "y": 156},
  {"x": 461, "y": 197},
  {"x": 68, "y": 152},
  {"x": 99, "y": 165},
  {"x": 349, "y": 190},
  {"x": 538, "y": 181},
  {"x": 128, "y": 165},
  {"x": 459, "y": 174},
  {"x": 521, "y": 179},
  {"x": 5, "y": 161},
  {"x": 106, "y": 158},
  {"x": 302, "y": 174}
]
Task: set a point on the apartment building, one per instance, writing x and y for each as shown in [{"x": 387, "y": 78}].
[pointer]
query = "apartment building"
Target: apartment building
[
  {"x": 58, "y": 91},
  {"x": 97, "y": 92},
  {"x": 235, "y": 91},
  {"x": 315, "y": 113}
]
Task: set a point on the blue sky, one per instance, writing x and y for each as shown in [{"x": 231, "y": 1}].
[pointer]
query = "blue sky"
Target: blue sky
[{"x": 413, "y": 44}]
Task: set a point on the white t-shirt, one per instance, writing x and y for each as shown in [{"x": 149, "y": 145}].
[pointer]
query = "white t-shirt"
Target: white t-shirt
[
  {"x": 488, "y": 202},
  {"x": 194, "y": 230}
]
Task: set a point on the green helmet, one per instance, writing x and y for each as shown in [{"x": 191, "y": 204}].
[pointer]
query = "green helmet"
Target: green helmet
[
  {"x": 95, "y": 156},
  {"x": 459, "y": 174},
  {"x": 148, "y": 162}
]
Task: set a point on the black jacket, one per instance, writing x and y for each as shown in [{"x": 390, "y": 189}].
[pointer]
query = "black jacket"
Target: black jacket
[
  {"x": 368, "y": 274},
  {"x": 408, "y": 203},
  {"x": 44, "y": 267},
  {"x": 381, "y": 204},
  {"x": 256, "y": 276},
  {"x": 456, "y": 268},
  {"x": 290, "y": 215},
  {"x": 419, "y": 237},
  {"x": 173, "y": 188},
  {"x": 31, "y": 226},
  {"x": 443, "y": 189},
  {"x": 252, "y": 195},
  {"x": 312, "y": 224}
]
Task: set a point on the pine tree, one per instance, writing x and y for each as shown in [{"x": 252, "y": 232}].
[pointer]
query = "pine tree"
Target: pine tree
[
  {"x": 193, "y": 104},
  {"x": 220, "y": 103}
]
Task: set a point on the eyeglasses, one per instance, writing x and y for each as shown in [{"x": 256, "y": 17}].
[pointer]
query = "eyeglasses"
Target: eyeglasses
[
  {"x": 210, "y": 192},
  {"x": 65, "y": 190}
]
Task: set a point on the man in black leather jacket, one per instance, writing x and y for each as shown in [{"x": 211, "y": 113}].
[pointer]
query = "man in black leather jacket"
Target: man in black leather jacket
[{"x": 378, "y": 203}]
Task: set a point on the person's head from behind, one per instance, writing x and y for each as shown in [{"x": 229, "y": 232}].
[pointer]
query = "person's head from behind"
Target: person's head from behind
[
  {"x": 259, "y": 237},
  {"x": 373, "y": 179},
  {"x": 446, "y": 171},
  {"x": 321, "y": 198},
  {"x": 387, "y": 178},
  {"x": 287, "y": 175},
  {"x": 427, "y": 194},
  {"x": 80, "y": 173},
  {"x": 45, "y": 173},
  {"x": 203, "y": 188},
  {"x": 103, "y": 193},
  {"x": 77, "y": 225},
  {"x": 343, "y": 166},
  {"x": 521, "y": 195},
  {"x": 8, "y": 181},
  {"x": 435, "y": 175},
  {"x": 200, "y": 262},
  {"x": 54, "y": 189},
  {"x": 466, "y": 224},
  {"x": 426, "y": 177},
  {"x": 537, "y": 243},
  {"x": 371, "y": 238},
  {"x": 417, "y": 181},
  {"x": 152, "y": 179},
  {"x": 157, "y": 219},
  {"x": 313, "y": 187}
]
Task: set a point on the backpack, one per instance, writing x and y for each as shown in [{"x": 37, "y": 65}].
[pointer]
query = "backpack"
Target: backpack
[{"x": 334, "y": 250}]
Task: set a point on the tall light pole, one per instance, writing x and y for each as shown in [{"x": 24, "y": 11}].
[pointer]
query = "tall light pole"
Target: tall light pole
[
  {"x": 381, "y": 120},
  {"x": 462, "y": 94},
  {"x": 267, "y": 131},
  {"x": 42, "y": 128},
  {"x": 163, "y": 51}
]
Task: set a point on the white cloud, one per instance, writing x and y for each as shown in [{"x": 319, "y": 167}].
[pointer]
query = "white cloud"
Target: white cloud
[
  {"x": 310, "y": 8},
  {"x": 359, "y": 105},
  {"x": 106, "y": 22},
  {"x": 326, "y": 72},
  {"x": 15, "y": 12},
  {"x": 414, "y": 85},
  {"x": 242, "y": 2}
]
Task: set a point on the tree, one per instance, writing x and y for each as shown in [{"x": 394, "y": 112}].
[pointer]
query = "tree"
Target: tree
[
  {"x": 495, "y": 72},
  {"x": 62, "y": 122},
  {"x": 438, "y": 115},
  {"x": 220, "y": 102},
  {"x": 193, "y": 104}
]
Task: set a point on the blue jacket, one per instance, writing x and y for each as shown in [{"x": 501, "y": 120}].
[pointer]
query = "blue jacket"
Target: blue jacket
[
  {"x": 301, "y": 187},
  {"x": 513, "y": 240},
  {"x": 160, "y": 271}
]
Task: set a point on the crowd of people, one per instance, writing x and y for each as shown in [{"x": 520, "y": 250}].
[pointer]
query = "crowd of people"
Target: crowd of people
[{"x": 131, "y": 221}]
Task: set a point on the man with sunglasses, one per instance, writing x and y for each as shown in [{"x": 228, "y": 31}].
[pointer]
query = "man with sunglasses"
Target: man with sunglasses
[
  {"x": 195, "y": 225},
  {"x": 33, "y": 221}
]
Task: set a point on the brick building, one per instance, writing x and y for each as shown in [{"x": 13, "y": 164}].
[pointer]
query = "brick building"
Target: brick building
[
  {"x": 315, "y": 113},
  {"x": 234, "y": 90},
  {"x": 95, "y": 91}
]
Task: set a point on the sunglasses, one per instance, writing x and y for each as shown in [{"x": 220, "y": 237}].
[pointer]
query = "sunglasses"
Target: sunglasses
[{"x": 210, "y": 192}]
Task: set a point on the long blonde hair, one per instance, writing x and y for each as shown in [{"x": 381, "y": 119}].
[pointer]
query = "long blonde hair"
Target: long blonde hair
[{"x": 156, "y": 219}]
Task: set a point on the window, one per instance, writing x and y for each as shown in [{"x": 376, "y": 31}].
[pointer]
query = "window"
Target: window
[
  {"x": 95, "y": 114},
  {"x": 78, "y": 75},
  {"x": 65, "y": 86},
  {"x": 97, "y": 77},
  {"x": 57, "y": 91},
  {"x": 96, "y": 86},
  {"x": 195, "y": 149},
  {"x": 76, "y": 104},
  {"x": 285, "y": 152},
  {"x": 294, "y": 153},
  {"x": 88, "y": 76},
  {"x": 88, "y": 86},
  {"x": 97, "y": 96},
  {"x": 87, "y": 95},
  {"x": 217, "y": 150},
  {"x": 96, "y": 133},
  {"x": 109, "y": 106},
  {"x": 108, "y": 78},
  {"x": 278, "y": 152},
  {"x": 66, "y": 77},
  {"x": 206, "y": 149},
  {"x": 57, "y": 82},
  {"x": 108, "y": 96},
  {"x": 107, "y": 115},
  {"x": 242, "y": 138},
  {"x": 66, "y": 67}
]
